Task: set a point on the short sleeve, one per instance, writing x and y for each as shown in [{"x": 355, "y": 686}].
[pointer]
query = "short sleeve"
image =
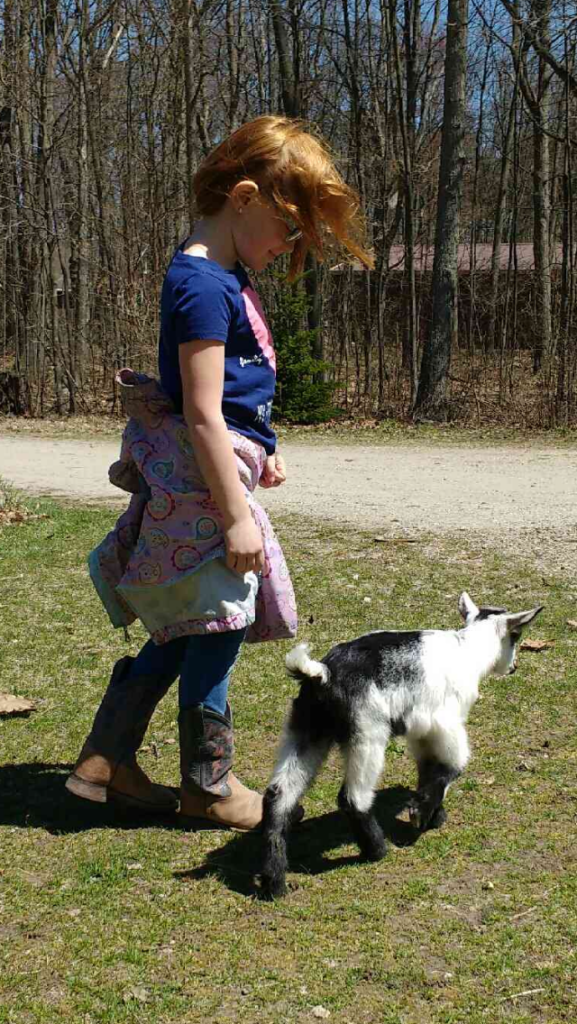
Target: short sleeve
[{"x": 201, "y": 309}]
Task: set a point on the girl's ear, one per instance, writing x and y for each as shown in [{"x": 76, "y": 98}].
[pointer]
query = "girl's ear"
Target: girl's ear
[{"x": 243, "y": 192}]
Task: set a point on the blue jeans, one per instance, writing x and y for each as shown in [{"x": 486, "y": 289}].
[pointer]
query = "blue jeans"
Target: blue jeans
[{"x": 204, "y": 664}]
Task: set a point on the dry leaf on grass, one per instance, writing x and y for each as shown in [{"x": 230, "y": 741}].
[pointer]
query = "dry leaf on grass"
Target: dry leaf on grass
[
  {"x": 12, "y": 706},
  {"x": 572, "y": 623},
  {"x": 9, "y": 516},
  {"x": 137, "y": 992},
  {"x": 536, "y": 645}
]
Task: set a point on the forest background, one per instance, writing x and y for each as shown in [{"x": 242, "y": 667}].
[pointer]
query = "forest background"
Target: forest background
[{"x": 454, "y": 119}]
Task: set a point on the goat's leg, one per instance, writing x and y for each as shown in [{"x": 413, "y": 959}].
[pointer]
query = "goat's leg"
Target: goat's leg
[
  {"x": 299, "y": 760},
  {"x": 364, "y": 760},
  {"x": 426, "y": 810},
  {"x": 440, "y": 757}
]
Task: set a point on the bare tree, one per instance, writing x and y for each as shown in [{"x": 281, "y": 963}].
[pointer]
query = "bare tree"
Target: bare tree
[
  {"x": 432, "y": 392},
  {"x": 537, "y": 98},
  {"x": 107, "y": 107}
]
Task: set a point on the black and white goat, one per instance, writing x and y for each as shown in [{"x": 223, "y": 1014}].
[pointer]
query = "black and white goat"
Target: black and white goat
[{"x": 421, "y": 684}]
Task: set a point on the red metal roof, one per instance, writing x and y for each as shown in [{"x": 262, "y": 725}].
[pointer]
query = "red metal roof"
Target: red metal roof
[{"x": 521, "y": 253}]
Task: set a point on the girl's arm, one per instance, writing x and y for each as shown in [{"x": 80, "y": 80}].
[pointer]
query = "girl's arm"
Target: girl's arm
[{"x": 202, "y": 373}]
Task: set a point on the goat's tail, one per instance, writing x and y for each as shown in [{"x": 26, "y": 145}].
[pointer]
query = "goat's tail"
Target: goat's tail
[{"x": 301, "y": 667}]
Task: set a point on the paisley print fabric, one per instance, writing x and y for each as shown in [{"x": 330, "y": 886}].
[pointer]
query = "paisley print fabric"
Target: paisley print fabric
[{"x": 164, "y": 560}]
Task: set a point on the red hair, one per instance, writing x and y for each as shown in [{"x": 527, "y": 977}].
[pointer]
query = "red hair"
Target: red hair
[{"x": 296, "y": 171}]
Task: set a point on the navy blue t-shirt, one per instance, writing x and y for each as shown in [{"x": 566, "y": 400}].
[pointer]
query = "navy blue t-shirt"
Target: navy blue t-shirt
[{"x": 201, "y": 300}]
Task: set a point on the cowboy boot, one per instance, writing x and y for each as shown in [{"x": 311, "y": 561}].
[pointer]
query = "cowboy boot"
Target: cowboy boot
[
  {"x": 209, "y": 789},
  {"x": 107, "y": 768}
]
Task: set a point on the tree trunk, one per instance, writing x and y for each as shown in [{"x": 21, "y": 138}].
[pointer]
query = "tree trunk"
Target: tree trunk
[
  {"x": 46, "y": 179},
  {"x": 537, "y": 99},
  {"x": 504, "y": 176},
  {"x": 407, "y": 122},
  {"x": 542, "y": 199},
  {"x": 291, "y": 92},
  {"x": 78, "y": 361},
  {"x": 289, "y": 86},
  {"x": 29, "y": 270},
  {"x": 432, "y": 391},
  {"x": 189, "y": 111}
]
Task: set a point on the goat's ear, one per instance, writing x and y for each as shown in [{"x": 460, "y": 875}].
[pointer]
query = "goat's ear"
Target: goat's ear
[
  {"x": 522, "y": 619},
  {"x": 467, "y": 607}
]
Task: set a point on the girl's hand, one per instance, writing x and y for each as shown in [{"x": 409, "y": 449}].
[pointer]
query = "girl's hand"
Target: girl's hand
[
  {"x": 243, "y": 541},
  {"x": 274, "y": 472}
]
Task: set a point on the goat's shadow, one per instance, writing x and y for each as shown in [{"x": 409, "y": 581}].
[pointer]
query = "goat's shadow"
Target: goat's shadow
[
  {"x": 32, "y": 795},
  {"x": 237, "y": 861}
]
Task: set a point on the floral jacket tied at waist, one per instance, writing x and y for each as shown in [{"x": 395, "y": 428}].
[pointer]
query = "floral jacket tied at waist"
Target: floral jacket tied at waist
[{"x": 163, "y": 562}]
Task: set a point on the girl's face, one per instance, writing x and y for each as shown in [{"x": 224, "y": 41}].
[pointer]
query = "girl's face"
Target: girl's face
[{"x": 260, "y": 232}]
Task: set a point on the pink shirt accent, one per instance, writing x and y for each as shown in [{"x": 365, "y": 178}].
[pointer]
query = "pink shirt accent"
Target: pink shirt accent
[{"x": 257, "y": 321}]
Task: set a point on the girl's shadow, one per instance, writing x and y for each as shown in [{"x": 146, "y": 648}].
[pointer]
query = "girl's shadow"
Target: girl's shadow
[
  {"x": 237, "y": 862},
  {"x": 33, "y": 796}
]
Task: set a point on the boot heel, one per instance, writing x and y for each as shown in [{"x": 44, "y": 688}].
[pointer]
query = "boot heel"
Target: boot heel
[
  {"x": 107, "y": 770},
  {"x": 86, "y": 790}
]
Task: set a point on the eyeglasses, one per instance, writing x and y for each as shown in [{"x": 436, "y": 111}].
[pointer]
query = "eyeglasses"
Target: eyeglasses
[{"x": 294, "y": 233}]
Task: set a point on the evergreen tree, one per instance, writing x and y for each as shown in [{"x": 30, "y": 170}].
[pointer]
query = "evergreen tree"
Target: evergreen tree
[{"x": 303, "y": 395}]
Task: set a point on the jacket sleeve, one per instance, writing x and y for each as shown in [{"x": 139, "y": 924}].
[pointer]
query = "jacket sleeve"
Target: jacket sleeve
[{"x": 124, "y": 473}]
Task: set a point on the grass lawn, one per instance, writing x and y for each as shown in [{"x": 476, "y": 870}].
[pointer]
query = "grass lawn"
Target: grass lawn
[
  {"x": 346, "y": 432},
  {"x": 109, "y": 918}
]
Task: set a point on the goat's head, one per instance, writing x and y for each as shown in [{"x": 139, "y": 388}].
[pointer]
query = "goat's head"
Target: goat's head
[{"x": 508, "y": 628}]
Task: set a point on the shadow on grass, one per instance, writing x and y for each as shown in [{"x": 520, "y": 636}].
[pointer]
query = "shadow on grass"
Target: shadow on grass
[
  {"x": 33, "y": 796},
  {"x": 237, "y": 862}
]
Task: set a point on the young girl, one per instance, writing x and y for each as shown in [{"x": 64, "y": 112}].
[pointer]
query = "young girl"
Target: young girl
[{"x": 194, "y": 557}]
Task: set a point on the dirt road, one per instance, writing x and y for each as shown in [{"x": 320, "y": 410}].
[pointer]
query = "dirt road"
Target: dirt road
[{"x": 441, "y": 489}]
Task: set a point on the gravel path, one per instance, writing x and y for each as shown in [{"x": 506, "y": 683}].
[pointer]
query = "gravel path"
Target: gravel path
[{"x": 443, "y": 489}]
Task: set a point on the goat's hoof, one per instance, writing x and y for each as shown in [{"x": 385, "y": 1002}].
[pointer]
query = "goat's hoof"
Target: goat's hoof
[
  {"x": 438, "y": 818},
  {"x": 272, "y": 888},
  {"x": 297, "y": 815},
  {"x": 415, "y": 814},
  {"x": 375, "y": 853}
]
